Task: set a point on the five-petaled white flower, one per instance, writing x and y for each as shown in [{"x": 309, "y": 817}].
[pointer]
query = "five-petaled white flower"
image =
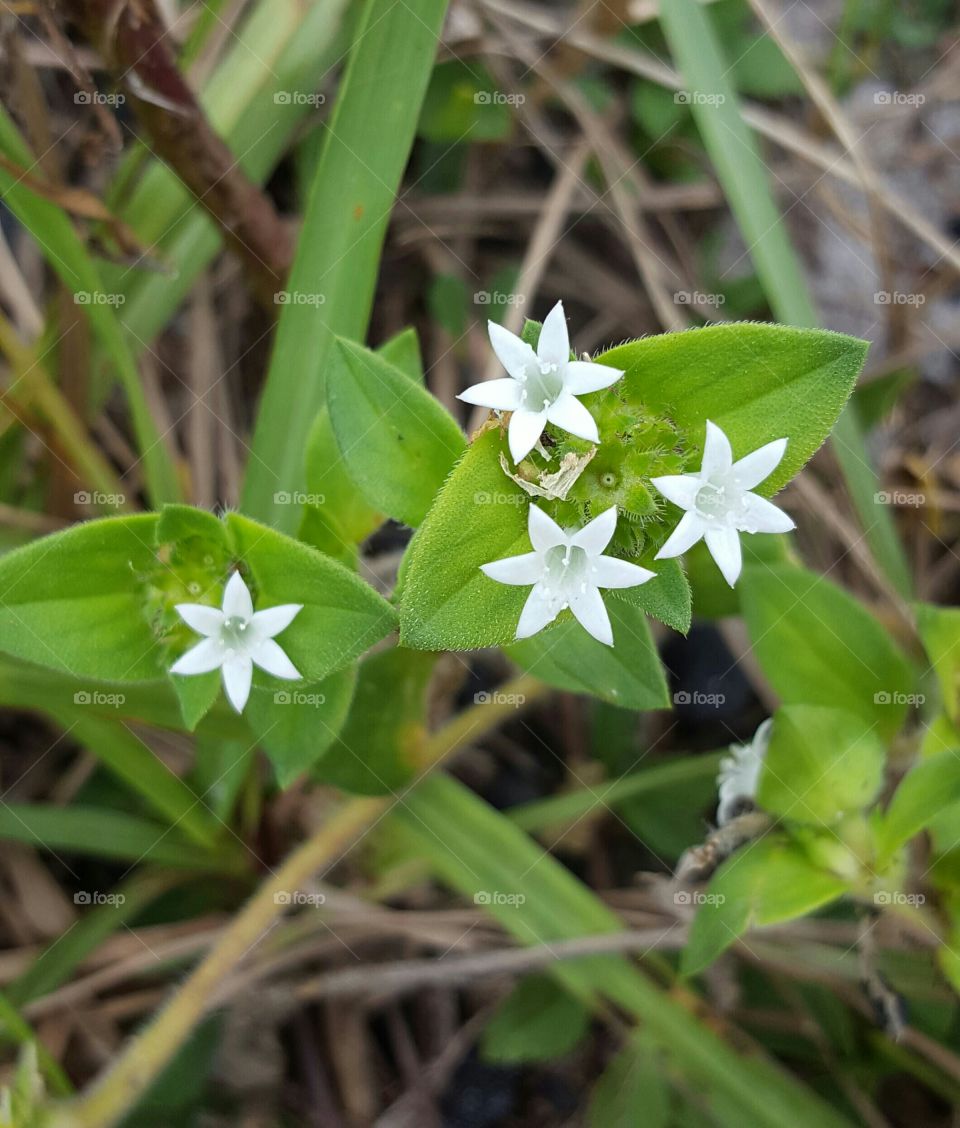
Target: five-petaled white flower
[
  {"x": 740, "y": 773},
  {"x": 236, "y": 637},
  {"x": 542, "y": 386},
  {"x": 566, "y": 569},
  {"x": 718, "y": 502}
]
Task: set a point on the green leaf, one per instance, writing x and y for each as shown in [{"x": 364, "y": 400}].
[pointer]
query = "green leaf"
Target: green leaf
[
  {"x": 537, "y": 1021},
  {"x": 378, "y": 751},
  {"x": 928, "y": 789},
  {"x": 368, "y": 141},
  {"x": 939, "y": 629},
  {"x": 480, "y": 515},
  {"x": 628, "y": 674},
  {"x": 757, "y": 382},
  {"x": 122, "y": 751},
  {"x": 398, "y": 441},
  {"x": 74, "y": 601},
  {"x": 101, "y": 833},
  {"x": 821, "y": 764},
  {"x": 197, "y": 695},
  {"x": 336, "y": 516},
  {"x": 819, "y": 646},
  {"x": 767, "y": 882},
  {"x": 296, "y": 722},
  {"x": 713, "y": 597},
  {"x": 632, "y": 1090},
  {"x": 341, "y": 617},
  {"x": 403, "y": 352}
]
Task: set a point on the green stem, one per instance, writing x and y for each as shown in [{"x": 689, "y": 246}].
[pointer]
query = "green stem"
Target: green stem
[{"x": 125, "y": 1083}]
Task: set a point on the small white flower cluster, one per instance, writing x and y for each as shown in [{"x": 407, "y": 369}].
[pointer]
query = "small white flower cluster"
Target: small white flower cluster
[{"x": 566, "y": 567}]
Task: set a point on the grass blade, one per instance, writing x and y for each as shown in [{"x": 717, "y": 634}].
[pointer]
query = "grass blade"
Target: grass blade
[
  {"x": 68, "y": 258},
  {"x": 479, "y": 851},
  {"x": 364, "y": 156},
  {"x": 733, "y": 149}
]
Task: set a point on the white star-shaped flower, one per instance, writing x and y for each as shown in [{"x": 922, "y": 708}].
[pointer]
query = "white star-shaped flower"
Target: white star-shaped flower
[
  {"x": 718, "y": 502},
  {"x": 236, "y": 637},
  {"x": 740, "y": 773},
  {"x": 542, "y": 386},
  {"x": 566, "y": 570}
]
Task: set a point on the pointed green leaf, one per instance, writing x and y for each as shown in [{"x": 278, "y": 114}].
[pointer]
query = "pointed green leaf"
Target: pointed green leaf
[{"x": 398, "y": 441}]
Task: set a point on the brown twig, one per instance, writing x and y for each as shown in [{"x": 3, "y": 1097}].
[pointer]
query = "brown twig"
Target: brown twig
[{"x": 132, "y": 41}]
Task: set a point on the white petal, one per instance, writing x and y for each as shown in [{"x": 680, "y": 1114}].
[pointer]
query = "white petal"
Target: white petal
[
  {"x": 724, "y": 546},
  {"x": 516, "y": 570},
  {"x": 236, "y": 599},
  {"x": 270, "y": 656},
  {"x": 204, "y": 620},
  {"x": 272, "y": 620},
  {"x": 554, "y": 344},
  {"x": 584, "y": 376},
  {"x": 681, "y": 489},
  {"x": 751, "y": 470},
  {"x": 544, "y": 532},
  {"x": 524, "y": 431},
  {"x": 763, "y": 516},
  {"x": 200, "y": 659},
  {"x": 569, "y": 414},
  {"x": 536, "y": 614},
  {"x": 591, "y": 614},
  {"x": 514, "y": 354},
  {"x": 717, "y": 455},
  {"x": 502, "y": 395},
  {"x": 237, "y": 677},
  {"x": 594, "y": 537},
  {"x": 689, "y": 530},
  {"x": 609, "y": 572}
]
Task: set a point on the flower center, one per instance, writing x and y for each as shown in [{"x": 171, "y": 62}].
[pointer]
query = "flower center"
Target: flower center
[
  {"x": 233, "y": 634},
  {"x": 719, "y": 502},
  {"x": 542, "y": 385},
  {"x": 566, "y": 574}
]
